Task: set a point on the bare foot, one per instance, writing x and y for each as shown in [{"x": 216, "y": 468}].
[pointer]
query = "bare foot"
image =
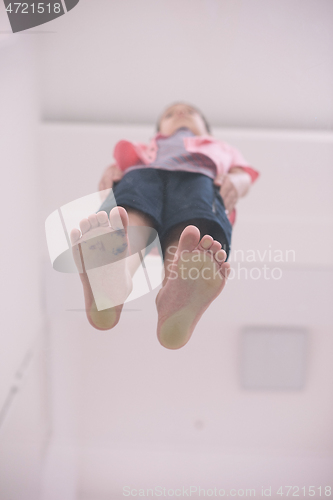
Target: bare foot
[
  {"x": 198, "y": 274},
  {"x": 100, "y": 255}
]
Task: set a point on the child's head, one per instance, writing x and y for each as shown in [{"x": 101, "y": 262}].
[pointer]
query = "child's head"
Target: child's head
[{"x": 182, "y": 115}]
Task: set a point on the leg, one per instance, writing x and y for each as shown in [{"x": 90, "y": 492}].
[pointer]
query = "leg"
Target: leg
[
  {"x": 107, "y": 285},
  {"x": 137, "y": 218},
  {"x": 140, "y": 192},
  {"x": 195, "y": 274}
]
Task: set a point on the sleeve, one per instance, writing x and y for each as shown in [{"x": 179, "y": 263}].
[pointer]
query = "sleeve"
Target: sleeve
[
  {"x": 232, "y": 217},
  {"x": 239, "y": 161},
  {"x": 125, "y": 155}
]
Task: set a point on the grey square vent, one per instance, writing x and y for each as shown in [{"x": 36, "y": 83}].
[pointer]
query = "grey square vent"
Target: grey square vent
[{"x": 273, "y": 358}]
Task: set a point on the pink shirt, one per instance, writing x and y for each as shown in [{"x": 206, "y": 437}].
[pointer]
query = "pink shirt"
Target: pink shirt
[{"x": 172, "y": 155}]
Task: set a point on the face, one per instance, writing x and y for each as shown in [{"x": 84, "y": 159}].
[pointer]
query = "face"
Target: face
[{"x": 182, "y": 115}]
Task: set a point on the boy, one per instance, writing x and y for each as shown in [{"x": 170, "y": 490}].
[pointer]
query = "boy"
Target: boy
[{"x": 185, "y": 184}]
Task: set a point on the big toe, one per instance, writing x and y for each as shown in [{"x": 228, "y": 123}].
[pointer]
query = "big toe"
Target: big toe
[
  {"x": 118, "y": 218},
  {"x": 189, "y": 239}
]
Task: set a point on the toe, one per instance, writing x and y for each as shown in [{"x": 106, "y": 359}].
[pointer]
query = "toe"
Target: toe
[
  {"x": 103, "y": 219},
  {"x": 84, "y": 225},
  {"x": 189, "y": 239},
  {"x": 225, "y": 270},
  {"x": 216, "y": 246},
  {"x": 220, "y": 256},
  {"x": 206, "y": 242},
  {"x": 75, "y": 236},
  {"x": 93, "y": 220},
  {"x": 118, "y": 218}
]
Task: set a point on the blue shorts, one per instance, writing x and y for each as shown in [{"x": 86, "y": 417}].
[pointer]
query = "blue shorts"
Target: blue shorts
[{"x": 171, "y": 198}]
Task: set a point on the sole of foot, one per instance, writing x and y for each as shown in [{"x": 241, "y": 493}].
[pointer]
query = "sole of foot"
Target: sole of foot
[
  {"x": 100, "y": 250},
  {"x": 197, "y": 276}
]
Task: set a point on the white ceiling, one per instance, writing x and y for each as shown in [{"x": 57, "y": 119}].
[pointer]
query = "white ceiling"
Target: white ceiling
[{"x": 246, "y": 63}]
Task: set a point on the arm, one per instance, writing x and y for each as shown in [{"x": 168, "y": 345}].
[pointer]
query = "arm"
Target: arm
[
  {"x": 233, "y": 185},
  {"x": 241, "y": 180},
  {"x": 110, "y": 175}
]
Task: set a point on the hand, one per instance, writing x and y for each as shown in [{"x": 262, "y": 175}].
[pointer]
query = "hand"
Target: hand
[
  {"x": 233, "y": 185},
  {"x": 111, "y": 174},
  {"x": 228, "y": 192}
]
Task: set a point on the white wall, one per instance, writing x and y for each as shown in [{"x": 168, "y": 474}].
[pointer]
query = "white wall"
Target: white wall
[
  {"x": 25, "y": 429},
  {"x": 23, "y": 398}
]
